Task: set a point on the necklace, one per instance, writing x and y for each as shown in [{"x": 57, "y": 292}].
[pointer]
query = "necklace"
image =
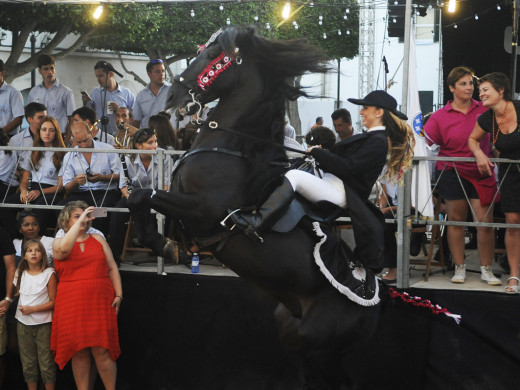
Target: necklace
[{"x": 495, "y": 135}]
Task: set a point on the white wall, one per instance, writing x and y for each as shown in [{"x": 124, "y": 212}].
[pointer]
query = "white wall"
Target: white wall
[{"x": 76, "y": 71}]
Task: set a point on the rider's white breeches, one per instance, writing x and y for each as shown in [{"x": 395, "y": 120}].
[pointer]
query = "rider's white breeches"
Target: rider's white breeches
[{"x": 314, "y": 189}]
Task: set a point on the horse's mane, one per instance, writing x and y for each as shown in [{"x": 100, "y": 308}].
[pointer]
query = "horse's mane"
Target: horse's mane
[
  {"x": 278, "y": 62},
  {"x": 282, "y": 60}
]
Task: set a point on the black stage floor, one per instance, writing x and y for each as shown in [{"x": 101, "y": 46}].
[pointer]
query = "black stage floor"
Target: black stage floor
[{"x": 190, "y": 332}]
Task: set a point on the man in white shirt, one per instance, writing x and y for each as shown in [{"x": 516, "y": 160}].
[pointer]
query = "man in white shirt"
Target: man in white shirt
[
  {"x": 34, "y": 114},
  {"x": 96, "y": 178},
  {"x": 58, "y": 98},
  {"x": 11, "y": 105},
  {"x": 88, "y": 115},
  {"x": 152, "y": 99},
  {"x": 108, "y": 97}
]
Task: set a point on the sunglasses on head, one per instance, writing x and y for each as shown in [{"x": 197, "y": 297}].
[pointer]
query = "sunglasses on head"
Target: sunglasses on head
[
  {"x": 158, "y": 61},
  {"x": 145, "y": 132}
]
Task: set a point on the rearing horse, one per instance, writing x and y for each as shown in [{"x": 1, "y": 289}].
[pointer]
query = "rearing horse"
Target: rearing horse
[{"x": 252, "y": 77}]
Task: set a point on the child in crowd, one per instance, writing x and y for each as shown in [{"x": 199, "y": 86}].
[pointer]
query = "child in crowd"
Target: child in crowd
[{"x": 36, "y": 285}]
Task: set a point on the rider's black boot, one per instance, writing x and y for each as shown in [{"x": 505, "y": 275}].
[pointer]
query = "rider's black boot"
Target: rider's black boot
[{"x": 268, "y": 213}]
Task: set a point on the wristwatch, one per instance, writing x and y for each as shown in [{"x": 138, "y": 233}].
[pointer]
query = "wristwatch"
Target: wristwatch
[{"x": 10, "y": 300}]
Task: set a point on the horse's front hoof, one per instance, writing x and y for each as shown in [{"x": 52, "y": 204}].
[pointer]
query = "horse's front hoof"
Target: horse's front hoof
[{"x": 139, "y": 198}]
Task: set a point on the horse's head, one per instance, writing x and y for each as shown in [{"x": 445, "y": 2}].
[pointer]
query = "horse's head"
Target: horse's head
[
  {"x": 235, "y": 57},
  {"x": 207, "y": 76}
]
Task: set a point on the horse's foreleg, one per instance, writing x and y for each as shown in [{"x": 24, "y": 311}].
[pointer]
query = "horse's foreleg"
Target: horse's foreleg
[{"x": 140, "y": 203}]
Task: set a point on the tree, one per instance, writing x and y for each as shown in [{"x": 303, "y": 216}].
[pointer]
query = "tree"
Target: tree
[
  {"x": 22, "y": 20},
  {"x": 168, "y": 30}
]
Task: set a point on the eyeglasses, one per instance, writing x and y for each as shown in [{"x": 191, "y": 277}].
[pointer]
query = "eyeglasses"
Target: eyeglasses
[{"x": 157, "y": 61}]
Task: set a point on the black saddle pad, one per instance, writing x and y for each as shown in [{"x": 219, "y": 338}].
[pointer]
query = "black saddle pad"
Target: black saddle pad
[{"x": 336, "y": 262}]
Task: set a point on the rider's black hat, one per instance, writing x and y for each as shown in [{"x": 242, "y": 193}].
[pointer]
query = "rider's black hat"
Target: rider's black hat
[{"x": 380, "y": 99}]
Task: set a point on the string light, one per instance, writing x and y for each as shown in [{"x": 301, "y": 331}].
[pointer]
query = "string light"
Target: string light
[
  {"x": 286, "y": 10},
  {"x": 339, "y": 32},
  {"x": 228, "y": 21},
  {"x": 455, "y": 26},
  {"x": 396, "y": 2},
  {"x": 394, "y": 20},
  {"x": 296, "y": 26},
  {"x": 256, "y": 18},
  {"x": 499, "y": 7},
  {"x": 192, "y": 13},
  {"x": 476, "y": 17},
  {"x": 324, "y": 36},
  {"x": 98, "y": 12},
  {"x": 348, "y": 32},
  {"x": 221, "y": 7},
  {"x": 311, "y": 4},
  {"x": 345, "y": 17},
  {"x": 347, "y": 11},
  {"x": 451, "y": 6},
  {"x": 268, "y": 26}
]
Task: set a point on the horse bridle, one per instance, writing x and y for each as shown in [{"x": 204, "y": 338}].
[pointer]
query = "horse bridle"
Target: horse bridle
[{"x": 205, "y": 78}]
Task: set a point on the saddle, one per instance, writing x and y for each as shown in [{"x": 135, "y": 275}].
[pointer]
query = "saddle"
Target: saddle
[{"x": 323, "y": 212}]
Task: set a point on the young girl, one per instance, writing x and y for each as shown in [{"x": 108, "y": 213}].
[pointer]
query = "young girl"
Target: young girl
[{"x": 35, "y": 284}]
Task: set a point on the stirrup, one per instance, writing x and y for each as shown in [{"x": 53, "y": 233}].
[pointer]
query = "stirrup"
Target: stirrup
[
  {"x": 249, "y": 230},
  {"x": 224, "y": 221}
]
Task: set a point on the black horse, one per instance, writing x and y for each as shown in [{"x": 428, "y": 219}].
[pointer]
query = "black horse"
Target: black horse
[{"x": 226, "y": 169}]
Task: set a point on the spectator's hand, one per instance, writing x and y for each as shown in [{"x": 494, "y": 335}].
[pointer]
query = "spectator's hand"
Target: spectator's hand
[
  {"x": 113, "y": 106},
  {"x": 4, "y": 306},
  {"x": 85, "y": 98},
  {"x": 85, "y": 216},
  {"x": 312, "y": 147},
  {"x": 31, "y": 196},
  {"x": 26, "y": 310},
  {"x": 23, "y": 196},
  {"x": 80, "y": 179},
  {"x": 116, "y": 303},
  {"x": 95, "y": 177},
  {"x": 485, "y": 166}
]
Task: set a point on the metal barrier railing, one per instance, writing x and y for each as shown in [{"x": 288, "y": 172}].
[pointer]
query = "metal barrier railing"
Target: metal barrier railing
[{"x": 404, "y": 219}]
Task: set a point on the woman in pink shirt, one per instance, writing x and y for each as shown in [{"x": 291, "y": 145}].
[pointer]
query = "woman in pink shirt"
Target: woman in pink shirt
[{"x": 450, "y": 128}]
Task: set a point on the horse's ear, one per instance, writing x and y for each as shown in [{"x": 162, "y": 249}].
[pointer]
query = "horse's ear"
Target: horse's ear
[{"x": 244, "y": 37}]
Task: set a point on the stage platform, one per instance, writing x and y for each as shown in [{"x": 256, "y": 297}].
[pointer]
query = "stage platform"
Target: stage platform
[{"x": 213, "y": 330}]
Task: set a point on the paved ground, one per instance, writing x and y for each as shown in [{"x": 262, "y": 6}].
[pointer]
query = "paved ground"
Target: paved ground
[{"x": 437, "y": 279}]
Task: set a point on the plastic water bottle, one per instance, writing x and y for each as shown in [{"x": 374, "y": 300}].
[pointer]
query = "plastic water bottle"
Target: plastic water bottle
[{"x": 195, "y": 264}]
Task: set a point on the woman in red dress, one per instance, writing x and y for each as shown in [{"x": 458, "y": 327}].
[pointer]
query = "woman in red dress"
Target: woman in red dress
[{"x": 88, "y": 299}]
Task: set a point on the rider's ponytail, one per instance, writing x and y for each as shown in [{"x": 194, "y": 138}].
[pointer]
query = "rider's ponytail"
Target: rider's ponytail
[{"x": 401, "y": 145}]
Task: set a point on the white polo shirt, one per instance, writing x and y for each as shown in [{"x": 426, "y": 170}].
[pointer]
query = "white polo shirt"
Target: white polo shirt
[
  {"x": 11, "y": 106},
  {"x": 147, "y": 104},
  {"x": 74, "y": 163},
  {"x": 59, "y": 101}
]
